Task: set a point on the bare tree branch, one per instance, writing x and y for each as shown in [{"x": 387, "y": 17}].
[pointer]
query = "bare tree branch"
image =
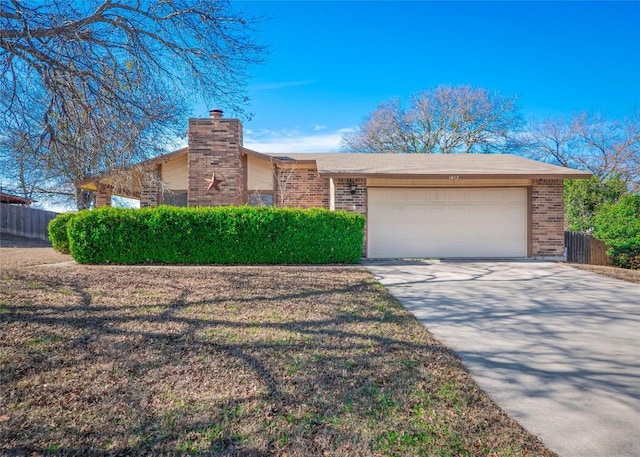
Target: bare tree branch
[
  {"x": 606, "y": 147},
  {"x": 444, "y": 120},
  {"x": 105, "y": 83}
]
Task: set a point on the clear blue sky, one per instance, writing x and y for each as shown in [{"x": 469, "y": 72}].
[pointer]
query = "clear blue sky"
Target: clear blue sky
[{"x": 332, "y": 62}]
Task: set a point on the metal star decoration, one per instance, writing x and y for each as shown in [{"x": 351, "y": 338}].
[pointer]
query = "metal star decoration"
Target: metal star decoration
[{"x": 214, "y": 182}]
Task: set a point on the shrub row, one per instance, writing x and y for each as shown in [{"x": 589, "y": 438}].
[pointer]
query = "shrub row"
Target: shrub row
[
  {"x": 58, "y": 235},
  {"x": 214, "y": 235},
  {"x": 618, "y": 225}
]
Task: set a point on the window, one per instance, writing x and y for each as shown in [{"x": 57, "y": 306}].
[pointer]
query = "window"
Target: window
[
  {"x": 175, "y": 198},
  {"x": 259, "y": 199}
]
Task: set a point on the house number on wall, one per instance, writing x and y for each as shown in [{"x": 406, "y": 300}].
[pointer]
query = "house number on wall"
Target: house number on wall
[{"x": 454, "y": 177}]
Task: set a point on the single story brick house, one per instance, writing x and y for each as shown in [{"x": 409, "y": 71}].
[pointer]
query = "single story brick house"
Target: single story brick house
[{"x": 416, "y": 205}]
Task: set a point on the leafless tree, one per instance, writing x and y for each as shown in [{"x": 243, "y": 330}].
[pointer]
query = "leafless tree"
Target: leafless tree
[
  {"x": 24, "y": 170},
  {"x": 604, "y": 146},
  {"x": 551, "y": 140},
  {"x": 446, "y": 120},
  {"x": 104, "y": 83}
]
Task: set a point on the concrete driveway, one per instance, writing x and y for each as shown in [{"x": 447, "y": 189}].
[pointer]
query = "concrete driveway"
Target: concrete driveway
[{"x": 557, "y": 348}]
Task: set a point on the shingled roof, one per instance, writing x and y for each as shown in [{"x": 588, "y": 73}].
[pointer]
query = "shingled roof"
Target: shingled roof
[
  {"x": 431, "y": 165},
  {"x": 14, "y": 199}
]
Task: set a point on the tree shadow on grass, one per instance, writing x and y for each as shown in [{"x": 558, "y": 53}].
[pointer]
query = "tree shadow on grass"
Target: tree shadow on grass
[{"x": 252, "y": 362}]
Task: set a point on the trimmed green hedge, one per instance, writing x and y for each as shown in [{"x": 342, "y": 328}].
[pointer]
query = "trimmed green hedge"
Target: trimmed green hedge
[
  {"x": 618, "y": 225},
  {"x": 216, "y": 235},
  {"x": 58, "y": 235}
]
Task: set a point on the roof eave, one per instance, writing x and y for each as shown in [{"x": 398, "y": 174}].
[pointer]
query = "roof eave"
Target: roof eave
[
  {"x": 85, "y": 183},
  {"x": 455, "y": 175},
  {"x": 15, "y": 200}
]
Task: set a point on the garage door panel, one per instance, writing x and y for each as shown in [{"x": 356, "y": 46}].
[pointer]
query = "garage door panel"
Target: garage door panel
[
  {"x": 417, "y": 195},
  {"x": 436, "y": 214},
  {"x": 457, "y": 222},
  {"x": 437, "y": 233},
  {"x": 431, "y": 196},
  {"x": 503, "y": 232},
  {"x": 492, "y": 196},
  {"x": 409, "y": 214},
  {"x": 477, "y": 213},
  {"x": 477, "y": 197},
  {"x": 514, "y": 198},
  {"x": 456, "y": 196},
  {"x": 512, "y": 212}
]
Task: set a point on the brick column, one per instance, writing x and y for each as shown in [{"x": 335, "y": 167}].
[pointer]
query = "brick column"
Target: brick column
[
  {"x": 103, "y": 195},
  {"x": 355, "y": 203},
  {"x": 150, "y": 188},
  {"x": 214, "y": 147},
  {"x": 547, "y": 218},
  {"x": 344, "y": 199}
]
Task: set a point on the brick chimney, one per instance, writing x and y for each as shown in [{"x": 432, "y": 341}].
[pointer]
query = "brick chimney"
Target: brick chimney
[
  {"x": 214, "y": 147},
  {"x": 216, "y": 113}
]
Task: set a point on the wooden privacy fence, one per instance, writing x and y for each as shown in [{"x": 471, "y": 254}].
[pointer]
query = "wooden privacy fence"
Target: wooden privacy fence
[
  {"x": 582, "y": 248},
  {"x": 25, "y": 221}
]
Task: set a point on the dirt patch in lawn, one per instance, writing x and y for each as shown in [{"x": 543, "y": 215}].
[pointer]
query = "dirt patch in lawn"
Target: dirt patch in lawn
[
  {"x": 256, "y": 361},
  {"x": 612, "y": 272}
]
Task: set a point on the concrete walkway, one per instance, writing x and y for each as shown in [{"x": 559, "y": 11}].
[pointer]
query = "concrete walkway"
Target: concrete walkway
[{"x": 557, "y": 348}]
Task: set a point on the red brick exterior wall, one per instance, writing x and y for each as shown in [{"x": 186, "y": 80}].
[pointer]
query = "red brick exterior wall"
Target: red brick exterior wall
[
  {"x": 355, "y": 203},
  {"x": 344, "y": 199},
  {"x": 214, "y": 146},
  {"x": 547, "y": 218},
  {"x": 103, "y": 195},
  {"x": 150, "y": 188},
  {"x": 300, "y": 187}
]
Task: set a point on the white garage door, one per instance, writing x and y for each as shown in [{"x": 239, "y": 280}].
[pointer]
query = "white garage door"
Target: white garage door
[{"x": 409, "y": 222}]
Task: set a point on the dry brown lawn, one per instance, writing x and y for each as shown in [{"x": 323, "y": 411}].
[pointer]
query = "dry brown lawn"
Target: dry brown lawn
[
  {"x": 228, "y": 361},
  {"x": 612, "y": 272}
]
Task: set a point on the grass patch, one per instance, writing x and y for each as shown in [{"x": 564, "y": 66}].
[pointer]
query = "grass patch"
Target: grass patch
[
  {"x": 623, "y": 274},
  {"x": 226, "y": 361},
  {"x": 43, "y": 340}
]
